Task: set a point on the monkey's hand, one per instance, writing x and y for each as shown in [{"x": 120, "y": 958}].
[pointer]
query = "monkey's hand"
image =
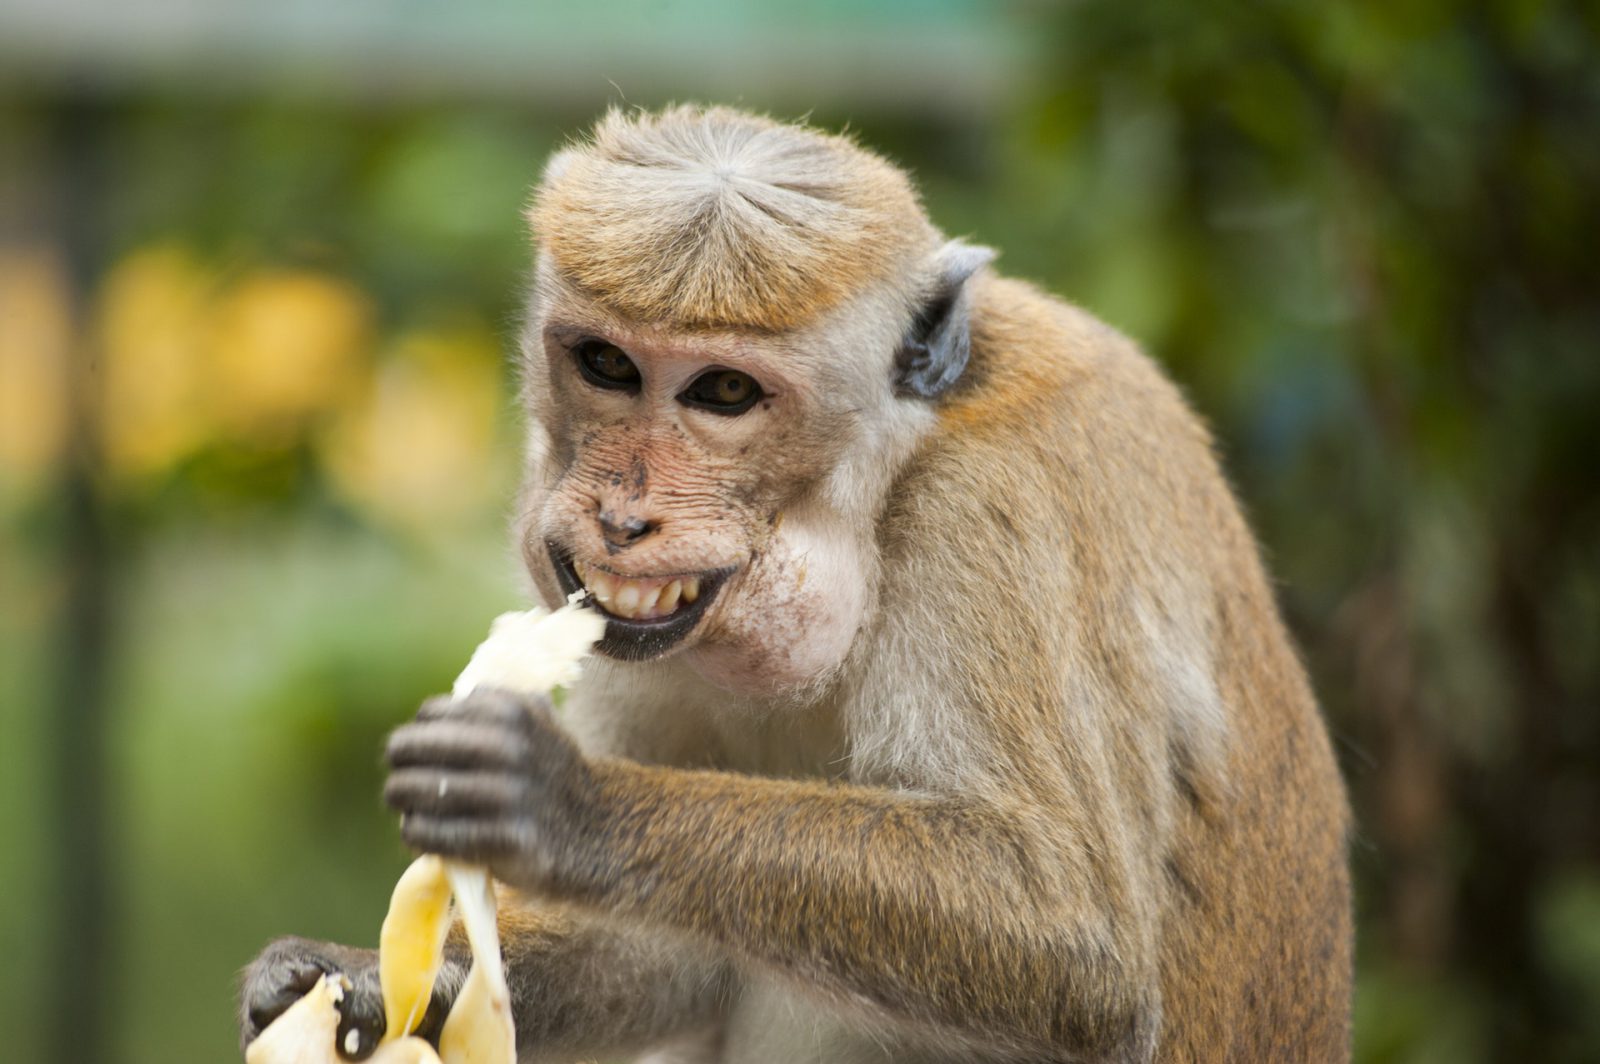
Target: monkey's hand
[
  {"x": 288, "y": 969},
  {"x": 491, "y": 779}
]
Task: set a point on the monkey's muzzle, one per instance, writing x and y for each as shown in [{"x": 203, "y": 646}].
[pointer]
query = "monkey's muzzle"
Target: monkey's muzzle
[{"x": 645, "y": 618}]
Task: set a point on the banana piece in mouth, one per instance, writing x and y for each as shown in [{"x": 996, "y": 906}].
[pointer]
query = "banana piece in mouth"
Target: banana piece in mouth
[{"x": 528, "y": 652}]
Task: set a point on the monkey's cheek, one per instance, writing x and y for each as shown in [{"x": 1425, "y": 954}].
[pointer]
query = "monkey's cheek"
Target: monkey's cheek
[{"x": 766, "y": 643}]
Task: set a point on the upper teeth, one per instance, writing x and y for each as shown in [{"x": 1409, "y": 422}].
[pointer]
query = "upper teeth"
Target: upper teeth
[{"x": 638, "y": 600}]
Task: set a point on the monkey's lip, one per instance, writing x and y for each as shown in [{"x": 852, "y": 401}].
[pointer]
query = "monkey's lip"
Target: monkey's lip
[{"x": 634, "y": 639}]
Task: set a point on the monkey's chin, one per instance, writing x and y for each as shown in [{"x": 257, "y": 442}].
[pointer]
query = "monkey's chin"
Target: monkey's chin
[{"x": 641, "y": 640}]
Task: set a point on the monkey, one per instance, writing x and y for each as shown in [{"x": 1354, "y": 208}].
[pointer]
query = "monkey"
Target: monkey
[{"x": 944, "y": 710}]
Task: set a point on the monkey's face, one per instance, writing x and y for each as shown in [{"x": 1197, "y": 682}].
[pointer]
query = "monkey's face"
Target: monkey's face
[{"x": 688, "y": 482}]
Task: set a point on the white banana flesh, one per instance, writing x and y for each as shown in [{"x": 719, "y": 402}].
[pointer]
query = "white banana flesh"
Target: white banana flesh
[{"x": 479, "y": 1029}]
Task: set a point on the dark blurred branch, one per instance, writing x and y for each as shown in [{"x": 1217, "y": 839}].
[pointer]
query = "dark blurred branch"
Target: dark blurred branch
[{"x": 79, "y": 1003}]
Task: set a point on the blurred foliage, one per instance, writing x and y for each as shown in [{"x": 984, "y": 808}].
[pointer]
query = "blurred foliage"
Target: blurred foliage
[{"x": 1362, "y": 236}]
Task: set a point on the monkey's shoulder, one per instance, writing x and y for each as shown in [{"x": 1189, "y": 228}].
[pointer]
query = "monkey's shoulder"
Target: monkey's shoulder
[{"x": 1041, "y": 366}]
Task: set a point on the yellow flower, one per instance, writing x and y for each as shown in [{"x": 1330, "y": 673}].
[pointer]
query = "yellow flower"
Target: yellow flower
[
  {"x": 287, "y": 345},
  {"x": 154, "y": 332},
  {"x": 419, "y": 449}
]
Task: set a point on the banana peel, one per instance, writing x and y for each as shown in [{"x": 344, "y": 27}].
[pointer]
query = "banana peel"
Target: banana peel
[
  {"x": 411, "y": 944},
  {"x": 306, "y": 1030}
]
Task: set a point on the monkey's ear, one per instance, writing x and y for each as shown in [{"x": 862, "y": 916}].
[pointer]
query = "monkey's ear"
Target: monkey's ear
[{"x": 935, "y": 350}]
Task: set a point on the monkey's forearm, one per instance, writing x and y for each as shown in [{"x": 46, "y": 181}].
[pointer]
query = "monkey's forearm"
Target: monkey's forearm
[
  {"x": 938, "y": 911},
  {"x": 580, "y": 989}
]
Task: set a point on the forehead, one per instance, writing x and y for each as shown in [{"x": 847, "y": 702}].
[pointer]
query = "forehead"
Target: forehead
[{"x": 719, "y": 220}]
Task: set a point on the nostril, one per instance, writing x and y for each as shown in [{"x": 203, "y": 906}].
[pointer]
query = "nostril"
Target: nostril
[{"x": 624, "y": 529}]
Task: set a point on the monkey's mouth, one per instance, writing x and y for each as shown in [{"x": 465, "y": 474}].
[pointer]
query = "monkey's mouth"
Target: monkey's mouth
[{"x": 645, "y": 617}]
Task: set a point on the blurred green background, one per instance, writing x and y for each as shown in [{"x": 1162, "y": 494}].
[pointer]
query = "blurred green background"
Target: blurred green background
[{"x": 259, "y": 269}]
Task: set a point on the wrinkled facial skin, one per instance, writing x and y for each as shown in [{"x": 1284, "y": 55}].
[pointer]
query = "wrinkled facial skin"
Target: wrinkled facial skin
[{"x": 730, "y": 500}]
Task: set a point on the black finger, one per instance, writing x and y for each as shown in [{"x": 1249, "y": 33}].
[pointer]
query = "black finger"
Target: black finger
[
  {"x": 451, "y": 743},
  {"x": 485, "y": 703},
  {"x": 361, "y": 1018},
  {"x": 443, "y": 793},
  {"x": 289, "y": 985},
  {"x": 274, "y": 982},
  {"x": 436, "y": 707},
  {"x": 506, "y": 703},
  {"x": 476, "y": 841}
]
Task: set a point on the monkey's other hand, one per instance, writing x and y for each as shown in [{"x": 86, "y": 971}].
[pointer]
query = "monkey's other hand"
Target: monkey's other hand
[
  {"x": 288, "y": 969},
  {"x": 491, "y": 779}
]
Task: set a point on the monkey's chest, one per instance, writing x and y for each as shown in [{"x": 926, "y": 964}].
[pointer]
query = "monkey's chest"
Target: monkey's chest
[{"x": 777, "y": 1023}]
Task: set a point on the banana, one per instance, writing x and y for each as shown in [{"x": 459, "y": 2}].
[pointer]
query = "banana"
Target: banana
[
  {"x": 305, "y": 1032},
  {"x": 529, "y": 652}
]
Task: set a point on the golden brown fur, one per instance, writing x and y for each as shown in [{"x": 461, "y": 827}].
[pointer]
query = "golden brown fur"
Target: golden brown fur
[
  {"x": 718, "y": 218},
  {"x": 1236, "y": 826}
]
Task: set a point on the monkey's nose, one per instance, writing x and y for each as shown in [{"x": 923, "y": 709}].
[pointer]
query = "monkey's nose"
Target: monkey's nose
[{"x": 620, "y": 532}]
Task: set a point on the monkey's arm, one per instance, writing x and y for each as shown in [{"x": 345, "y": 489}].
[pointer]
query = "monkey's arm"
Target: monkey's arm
[
  {"x": 582, "y": 989},
  {"x": 940, "y": 911},
  {"x": 578, "y": 988}
]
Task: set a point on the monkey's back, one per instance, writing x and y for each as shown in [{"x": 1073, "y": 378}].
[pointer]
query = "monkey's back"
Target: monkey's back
[{"x": 1178, "y": 700}]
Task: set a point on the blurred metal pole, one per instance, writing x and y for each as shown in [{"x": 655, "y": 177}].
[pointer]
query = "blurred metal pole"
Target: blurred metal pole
[{"x": 79, "y": 1004}]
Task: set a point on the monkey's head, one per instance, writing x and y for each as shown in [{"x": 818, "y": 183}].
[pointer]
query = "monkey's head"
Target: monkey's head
[{"x": 736, "y": 334}]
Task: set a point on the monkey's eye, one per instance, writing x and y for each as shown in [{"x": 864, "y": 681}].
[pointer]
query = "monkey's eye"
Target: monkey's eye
[
  {"x": 605, "y": 366},
  {"x": 722, "y": 391}
]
